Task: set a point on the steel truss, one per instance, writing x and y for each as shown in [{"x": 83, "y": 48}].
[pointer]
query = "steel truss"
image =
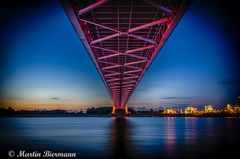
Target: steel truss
[{"x": 123, "y": 37}]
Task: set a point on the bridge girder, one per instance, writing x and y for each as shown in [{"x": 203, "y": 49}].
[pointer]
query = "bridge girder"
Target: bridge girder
[{"x": 123, "y": 37}]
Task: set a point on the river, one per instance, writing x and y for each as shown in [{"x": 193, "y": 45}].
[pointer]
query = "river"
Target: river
[{"x": 131, "y": 137}]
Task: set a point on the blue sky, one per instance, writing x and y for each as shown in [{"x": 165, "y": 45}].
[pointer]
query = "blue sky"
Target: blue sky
[{"x": 45, "y": 64}]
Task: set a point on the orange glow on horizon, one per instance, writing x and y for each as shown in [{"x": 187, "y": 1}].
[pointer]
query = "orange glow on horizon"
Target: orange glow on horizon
[{"x": 47, "y": 106}]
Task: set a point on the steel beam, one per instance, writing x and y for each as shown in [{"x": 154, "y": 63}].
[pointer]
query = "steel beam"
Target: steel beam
[
  {"x": 135, "y": 62},
  {"x": 129, "y": 82},
  {"x": 158, "y": 6},
  {"x": 136, "y": 56},
  {"x": 149, "y": 24},
  {"x": 109, "y": 56},
  {"x": 114, "y": 79},
  {"x": 92, "y": 6},
  {"x": 126, "y": 78},
  {"x": 113, "y": 84},
  {"x": 140, "y": 49},
  {"x": 113, "y": 74},
  {"x": 110, "y": 67},
  {"x": 105, "y": 49},
  {"x": 119, "y": 33}
]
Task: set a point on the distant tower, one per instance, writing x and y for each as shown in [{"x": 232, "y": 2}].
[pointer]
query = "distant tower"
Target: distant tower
[{"x": 237, "y": 104}]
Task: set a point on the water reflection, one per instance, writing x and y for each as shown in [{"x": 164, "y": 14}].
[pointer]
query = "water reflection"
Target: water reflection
[
  {"x": 170, "y": 135},
  {"x": 190, "y": 131},
  {"x": 184, "y": 137},
  {"x": 120, "y": 139}
]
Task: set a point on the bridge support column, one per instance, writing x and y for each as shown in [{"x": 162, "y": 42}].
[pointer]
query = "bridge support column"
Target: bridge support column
[
  {"x": 120, "y": 112},
  {"x": 113, "y": 110},
  {"x": 126, "y": 110}
]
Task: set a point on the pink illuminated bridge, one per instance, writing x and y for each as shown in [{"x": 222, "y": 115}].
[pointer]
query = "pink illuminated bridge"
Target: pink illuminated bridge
[{"x": 123, "y": 37}]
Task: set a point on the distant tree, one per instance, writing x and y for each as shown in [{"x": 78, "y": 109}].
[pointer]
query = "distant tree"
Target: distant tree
[
  {"x": 99, "y": 111},
  {"x": 131, "y": 111},
  {"x": 8, "y": 111}
]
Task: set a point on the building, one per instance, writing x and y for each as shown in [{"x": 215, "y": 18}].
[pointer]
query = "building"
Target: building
[
  {"x": 209, "y": 109},
  {"x": 170, "y": 111},
  {"x": 231, "y": 109},
  {"x": 237, "y": 104},
  {"x": 190, "y": 110}
]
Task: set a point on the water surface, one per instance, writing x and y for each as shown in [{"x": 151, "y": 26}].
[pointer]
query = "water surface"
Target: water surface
[{"x": 133, "y": 137}]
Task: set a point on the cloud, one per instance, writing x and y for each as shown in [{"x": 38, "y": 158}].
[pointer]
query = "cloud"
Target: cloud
[
  {"x": 55, "y": 98},
  {"x": 175, "y": 97}
]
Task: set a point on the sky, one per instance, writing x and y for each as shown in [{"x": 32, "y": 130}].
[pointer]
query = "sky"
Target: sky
[{"x": 44, "y": 64}]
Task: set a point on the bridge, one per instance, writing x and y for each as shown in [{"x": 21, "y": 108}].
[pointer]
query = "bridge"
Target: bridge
[{"x": 123, "y": 37}]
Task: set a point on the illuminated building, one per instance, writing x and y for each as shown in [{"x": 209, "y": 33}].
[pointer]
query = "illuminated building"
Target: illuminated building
[
  {"x": 237, "y": 104},
  {"x": 232, "y": 109},
  {"x": 190, "y": 110},
  {"x": 209, "y": 109},
  {"x": 170, "y": 111}
]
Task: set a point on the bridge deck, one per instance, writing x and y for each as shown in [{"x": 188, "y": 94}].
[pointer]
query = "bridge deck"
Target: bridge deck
[{"x": 122, "y": 37}]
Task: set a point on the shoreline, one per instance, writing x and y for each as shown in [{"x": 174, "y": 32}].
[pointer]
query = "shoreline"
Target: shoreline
[{"x": 63, "y": 115}]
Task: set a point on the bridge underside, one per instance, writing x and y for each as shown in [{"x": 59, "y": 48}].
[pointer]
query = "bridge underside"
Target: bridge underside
[{"x": 123, "y": 37}]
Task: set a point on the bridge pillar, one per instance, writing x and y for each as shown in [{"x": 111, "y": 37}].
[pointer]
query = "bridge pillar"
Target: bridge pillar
[
  {"x": 113, "y": 110},
  {"x": 120, "y": 112},
  {"x": 126, "y": 110}
]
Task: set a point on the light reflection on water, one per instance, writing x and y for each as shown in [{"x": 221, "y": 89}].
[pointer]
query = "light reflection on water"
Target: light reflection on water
[{"x": 139, "y": 137}]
